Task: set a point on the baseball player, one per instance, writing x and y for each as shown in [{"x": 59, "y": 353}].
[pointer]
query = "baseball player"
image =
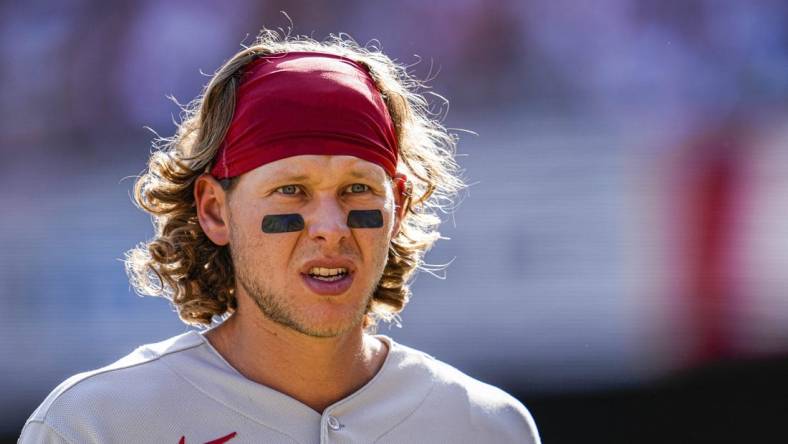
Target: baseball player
[{"x": 291, "y": 208}]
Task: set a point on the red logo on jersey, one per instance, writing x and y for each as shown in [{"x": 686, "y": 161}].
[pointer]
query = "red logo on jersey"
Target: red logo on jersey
[{"x": 221, "y": 440}]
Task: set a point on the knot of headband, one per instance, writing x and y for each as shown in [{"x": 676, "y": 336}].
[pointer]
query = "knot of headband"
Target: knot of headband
[{"x": 297, "y": 103}]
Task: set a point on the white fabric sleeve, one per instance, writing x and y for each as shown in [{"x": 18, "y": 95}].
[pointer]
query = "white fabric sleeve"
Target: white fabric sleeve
[{"x": 37, "y": 432}]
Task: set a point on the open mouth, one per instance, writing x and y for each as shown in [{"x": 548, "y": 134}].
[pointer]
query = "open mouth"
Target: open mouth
[
  {"x": 327, "y": 274},
  {"x": 328, "y": 281}
]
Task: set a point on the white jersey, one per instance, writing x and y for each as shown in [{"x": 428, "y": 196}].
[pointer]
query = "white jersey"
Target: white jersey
[{"x": 182, "y": 391}]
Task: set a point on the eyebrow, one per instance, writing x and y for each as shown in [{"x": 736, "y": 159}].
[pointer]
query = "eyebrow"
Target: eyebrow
[
  {"x": 293, "y": 178},
  {"x": 305, "y": 178},
  {"x": 359, "y": 175}
]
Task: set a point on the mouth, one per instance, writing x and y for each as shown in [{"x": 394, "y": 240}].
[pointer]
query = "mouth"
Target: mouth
[
  {"x": 328, "y": 275},
  {"x": 328, "y": 285}
]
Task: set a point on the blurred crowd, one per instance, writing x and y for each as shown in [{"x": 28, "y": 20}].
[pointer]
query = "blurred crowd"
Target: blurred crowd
[{"x": 76, "y": 71}]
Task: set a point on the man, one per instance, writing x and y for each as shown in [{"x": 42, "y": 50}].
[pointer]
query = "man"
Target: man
[{"x": 291, "y": 208}]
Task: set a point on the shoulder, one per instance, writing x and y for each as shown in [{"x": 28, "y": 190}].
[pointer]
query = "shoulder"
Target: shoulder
[
  {"x": 117, "y": 387},
  {"x": 486, "y": 409}
]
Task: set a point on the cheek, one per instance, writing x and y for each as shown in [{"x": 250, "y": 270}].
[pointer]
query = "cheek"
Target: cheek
[
  {"x": 376, "y": 240},
  {"x": 248, "y": 235}
]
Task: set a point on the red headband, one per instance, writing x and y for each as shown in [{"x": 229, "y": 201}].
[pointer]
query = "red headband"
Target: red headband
[{"x": 306, "y": 103}]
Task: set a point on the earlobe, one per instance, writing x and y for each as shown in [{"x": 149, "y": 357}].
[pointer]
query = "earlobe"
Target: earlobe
[{"x": 209, "y": 199}]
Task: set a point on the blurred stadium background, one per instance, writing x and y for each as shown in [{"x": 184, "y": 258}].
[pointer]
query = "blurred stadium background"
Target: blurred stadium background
[{"x": 620, "y": 263}]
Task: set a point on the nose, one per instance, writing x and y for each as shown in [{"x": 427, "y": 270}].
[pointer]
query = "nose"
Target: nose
[{"x": 327, "y": 222}]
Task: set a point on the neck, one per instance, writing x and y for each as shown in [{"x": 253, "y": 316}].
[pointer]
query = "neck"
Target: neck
[{"x": 315, "y": 371}]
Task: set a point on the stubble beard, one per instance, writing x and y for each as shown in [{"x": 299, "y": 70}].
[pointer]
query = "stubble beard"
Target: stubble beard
[{"x": 277, "y": 309}]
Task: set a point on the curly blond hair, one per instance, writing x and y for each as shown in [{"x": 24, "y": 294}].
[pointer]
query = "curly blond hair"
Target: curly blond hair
[{"x": 196, "y": 275}]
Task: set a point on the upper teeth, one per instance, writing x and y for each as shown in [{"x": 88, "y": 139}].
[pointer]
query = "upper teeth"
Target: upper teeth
[{"x": 327, "y": 271}]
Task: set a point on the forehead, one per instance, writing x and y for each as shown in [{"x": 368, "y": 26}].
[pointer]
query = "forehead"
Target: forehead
[{"x": 318, "y": 168}]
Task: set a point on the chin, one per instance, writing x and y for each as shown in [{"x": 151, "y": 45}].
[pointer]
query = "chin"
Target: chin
[
  {"x": 330, "y": 323},
  {"x": 323, "y": 330},
  {"x": 312, "y": 315}
]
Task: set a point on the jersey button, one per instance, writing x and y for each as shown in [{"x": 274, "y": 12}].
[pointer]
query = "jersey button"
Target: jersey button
[{"x": 333, "y": 423}]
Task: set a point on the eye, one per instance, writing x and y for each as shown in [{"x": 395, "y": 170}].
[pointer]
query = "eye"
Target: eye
[
  {"x": 289, "y": 190},
  {"x": 357, "y": 188}
]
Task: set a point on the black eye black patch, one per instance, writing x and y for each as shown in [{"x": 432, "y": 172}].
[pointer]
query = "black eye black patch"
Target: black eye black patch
[
  {"x": 365, "y": 219},
  {"x": 282, "y": 223}
]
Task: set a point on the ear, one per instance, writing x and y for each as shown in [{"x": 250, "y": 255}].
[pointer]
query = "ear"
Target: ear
[
  {"x": 402, "y": 192},
  {"x": 212, "y": 209}
]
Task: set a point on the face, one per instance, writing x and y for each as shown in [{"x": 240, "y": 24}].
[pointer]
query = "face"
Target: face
[{"x": 320, "y": 279}]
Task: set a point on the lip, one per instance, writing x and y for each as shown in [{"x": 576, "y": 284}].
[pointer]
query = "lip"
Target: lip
[
  {"x": 328, "y": 288},
  {"x": 336, "y": 262}
]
